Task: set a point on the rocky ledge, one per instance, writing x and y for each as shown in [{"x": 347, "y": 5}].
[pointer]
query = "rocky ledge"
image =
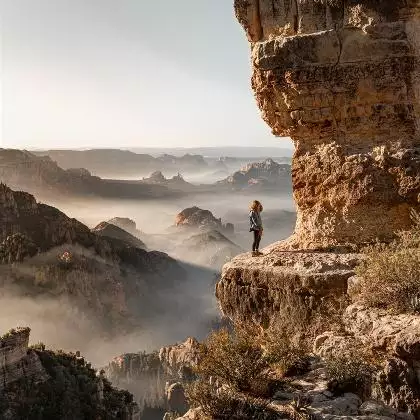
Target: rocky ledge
[{"x": 255, "y": 288}]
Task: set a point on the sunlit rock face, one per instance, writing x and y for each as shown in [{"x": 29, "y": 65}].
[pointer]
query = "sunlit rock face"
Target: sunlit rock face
[{"x": 341, "y": 78}]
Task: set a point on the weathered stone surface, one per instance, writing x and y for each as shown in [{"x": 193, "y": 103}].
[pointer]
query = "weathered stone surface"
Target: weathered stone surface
[
  {"x": 340, "y": 78},
  {"x": 175, "y": 395},
  {"x": 255, "y": 288},
  {"x": 397, "y": 335},
  {"x": 397, "y": 338},
  {"x": 150, "y": 376},
  {"x": 179, "y": 359}
]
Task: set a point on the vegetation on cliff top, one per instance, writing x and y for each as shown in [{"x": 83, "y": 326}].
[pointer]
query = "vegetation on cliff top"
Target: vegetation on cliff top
[
  {"x": 72, "y": 391},
  {"x": 390, "y": 274}
]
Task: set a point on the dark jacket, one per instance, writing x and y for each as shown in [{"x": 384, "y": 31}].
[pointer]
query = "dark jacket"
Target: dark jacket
[{"x": 255, "y": 221}]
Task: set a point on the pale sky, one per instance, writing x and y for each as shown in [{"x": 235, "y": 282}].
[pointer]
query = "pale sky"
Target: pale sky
[{"x": 126, "y": 73}]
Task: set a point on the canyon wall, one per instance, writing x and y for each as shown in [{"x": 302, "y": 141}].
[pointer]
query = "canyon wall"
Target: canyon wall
[{"x": 340, "y": 77}]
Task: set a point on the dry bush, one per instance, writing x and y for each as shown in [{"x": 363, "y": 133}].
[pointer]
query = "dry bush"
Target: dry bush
[
  {"x": 352, "y": 370},
  {"x": 285, "y": 342},
  {"x": 390, "y": 274},
  {"x": 235, "y": 358},
  {"x": 225, "y": 403},
  {"x": 290, "y": 336}
]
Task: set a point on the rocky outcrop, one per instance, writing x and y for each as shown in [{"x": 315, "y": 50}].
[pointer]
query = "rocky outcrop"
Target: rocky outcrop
[
  {"x": 16, "y": 361},
  {"x": 194, "y": 217},
  {"x": 265, "y": 174},
  {"x": 340, "y": 78},
  {"x": 156, "y": 379},
  {"x": 46, "y": 384},
  {"x": 256, "y": 288},
  {"x": 311, "y": 391},
  {"x": 396, "y": 338}
]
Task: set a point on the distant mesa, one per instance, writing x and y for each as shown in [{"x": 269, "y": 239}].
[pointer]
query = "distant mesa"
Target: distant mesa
[
  {"x": 42, "y": 176},
  {"x": 157, "y": 177},
  {"x": 202, "y": 219},
  {"x": 82, "y": 172},
  {"x": 112, "y": 231},
  {"x": 265, "y": 173},
  {"x": 118, "y": 163},
  {"x": 211, "y": 248}
]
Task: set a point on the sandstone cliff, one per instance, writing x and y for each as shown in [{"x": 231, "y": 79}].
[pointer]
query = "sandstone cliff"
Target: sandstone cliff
[
  {"x": 340, "y": 78},
  {"x": 16, "y": 362}
]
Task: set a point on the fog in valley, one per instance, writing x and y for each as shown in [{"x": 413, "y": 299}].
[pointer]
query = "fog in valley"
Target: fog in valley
[{"x": 105, "y": 304}]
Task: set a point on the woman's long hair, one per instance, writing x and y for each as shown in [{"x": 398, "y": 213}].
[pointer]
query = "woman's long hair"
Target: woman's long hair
[{"x": 256, "y": 206}]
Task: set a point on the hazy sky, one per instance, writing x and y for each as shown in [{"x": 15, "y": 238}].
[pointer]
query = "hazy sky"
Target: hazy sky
[{"x": 115, "y": 73}]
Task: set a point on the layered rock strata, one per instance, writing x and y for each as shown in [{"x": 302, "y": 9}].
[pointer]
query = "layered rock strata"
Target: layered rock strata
[{"x": 341, "y": 79}]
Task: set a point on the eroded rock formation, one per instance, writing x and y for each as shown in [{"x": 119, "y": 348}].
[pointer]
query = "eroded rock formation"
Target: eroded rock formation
[
  {"x": 397, "y": 338},
  {"x": 156, "y": 378},
  {"x": 340, "y": 77}
]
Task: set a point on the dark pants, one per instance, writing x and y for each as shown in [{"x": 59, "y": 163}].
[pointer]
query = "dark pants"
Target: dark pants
[{"x": 257, "y": 240}]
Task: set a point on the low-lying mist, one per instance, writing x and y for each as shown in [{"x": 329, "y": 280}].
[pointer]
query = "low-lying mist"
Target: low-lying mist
[{"x": 190, "y": 306}]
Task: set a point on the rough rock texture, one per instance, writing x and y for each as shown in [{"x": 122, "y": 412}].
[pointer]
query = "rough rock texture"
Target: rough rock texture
[
  {"x": 156, "y": 378},
  {"x": 256, "y": 288},
  {"x": 341, "y": 79},
  {"x": 312, "y": 389},
  {"x": 397, "y": 338}
]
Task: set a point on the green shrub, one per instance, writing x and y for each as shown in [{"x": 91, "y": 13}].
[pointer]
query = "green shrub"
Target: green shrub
[{"x": 390, "y": 274}]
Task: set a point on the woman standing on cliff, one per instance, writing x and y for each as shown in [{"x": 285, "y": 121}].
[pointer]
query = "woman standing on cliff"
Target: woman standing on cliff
[{"x": 256, "y": 226}]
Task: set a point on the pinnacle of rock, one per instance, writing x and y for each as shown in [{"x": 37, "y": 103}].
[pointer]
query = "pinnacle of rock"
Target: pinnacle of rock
[{"x": 341, "y": 79}]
